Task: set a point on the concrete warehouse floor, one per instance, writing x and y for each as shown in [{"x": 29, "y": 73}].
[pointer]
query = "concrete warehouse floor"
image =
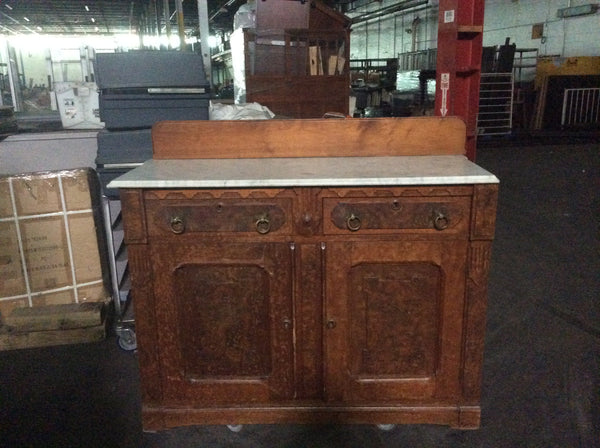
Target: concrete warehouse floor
[{"x": 541, "y": 385}]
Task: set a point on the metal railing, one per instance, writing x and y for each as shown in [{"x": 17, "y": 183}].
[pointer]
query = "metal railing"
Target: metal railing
[
  {"x": 581, "y": 107},
  {"x": 495, "y": 104},
  {"x": 417, "y": 60}
]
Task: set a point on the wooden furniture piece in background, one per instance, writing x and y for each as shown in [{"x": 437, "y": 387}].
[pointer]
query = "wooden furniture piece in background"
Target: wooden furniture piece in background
[
  {"x": 309, "y": 288},
  {"x": 297, "y": 59}
]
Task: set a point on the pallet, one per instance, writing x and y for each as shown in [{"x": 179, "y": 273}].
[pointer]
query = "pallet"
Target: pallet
[{"x": 53, "y": 325}]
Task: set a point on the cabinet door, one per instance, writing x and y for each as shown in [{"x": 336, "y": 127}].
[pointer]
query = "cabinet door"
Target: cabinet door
[
  {"x": 224, "y": 319},
  {"x": 393, "y": 320}
]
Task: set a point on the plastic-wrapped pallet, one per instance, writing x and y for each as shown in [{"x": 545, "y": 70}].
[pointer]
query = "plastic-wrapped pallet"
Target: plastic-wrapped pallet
[{"x": 52, "y": 240}]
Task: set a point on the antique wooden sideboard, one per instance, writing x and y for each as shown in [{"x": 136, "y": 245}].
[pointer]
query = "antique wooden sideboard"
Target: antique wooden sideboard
[{"x": 309, "y": 271}]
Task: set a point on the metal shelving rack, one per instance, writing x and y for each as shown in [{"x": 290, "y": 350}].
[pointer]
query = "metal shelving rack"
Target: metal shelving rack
[
  {"x": 119, "y": 273},
  {"x": 525, "y": 64},
  {"x": 495, "y": 104}
]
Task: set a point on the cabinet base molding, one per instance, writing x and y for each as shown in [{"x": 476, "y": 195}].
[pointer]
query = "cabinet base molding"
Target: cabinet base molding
[{"x": 160, "y": 417}]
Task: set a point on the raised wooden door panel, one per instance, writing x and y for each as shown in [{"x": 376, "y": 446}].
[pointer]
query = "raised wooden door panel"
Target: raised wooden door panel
[
  {"x": 224, "y": 314},
  {"x": 394, "y": 320}
]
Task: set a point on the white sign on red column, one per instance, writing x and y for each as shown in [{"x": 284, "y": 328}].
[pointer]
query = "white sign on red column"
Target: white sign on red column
[{"x": 445, "y": 86}]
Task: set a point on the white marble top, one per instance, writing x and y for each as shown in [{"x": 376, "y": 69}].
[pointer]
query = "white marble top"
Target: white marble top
[{"x": 298, "y": 172}]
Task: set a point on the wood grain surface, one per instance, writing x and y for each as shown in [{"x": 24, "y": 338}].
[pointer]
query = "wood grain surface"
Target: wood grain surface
[{"x": 328, "y": 137}]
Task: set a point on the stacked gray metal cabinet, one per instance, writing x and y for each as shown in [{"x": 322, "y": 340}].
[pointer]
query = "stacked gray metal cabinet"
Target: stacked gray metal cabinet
[{"x": 137, "y": 89}]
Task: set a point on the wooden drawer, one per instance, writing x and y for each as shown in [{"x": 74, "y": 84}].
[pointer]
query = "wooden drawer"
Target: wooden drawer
[
  {"x": 381, "y": 215},
  {"x": 248, "y": 215}
]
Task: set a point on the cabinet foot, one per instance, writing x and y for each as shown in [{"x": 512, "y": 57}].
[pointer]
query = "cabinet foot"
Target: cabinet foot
[
  {"x": 387, "y": 427},
  {"x": 235, "y": 428}
]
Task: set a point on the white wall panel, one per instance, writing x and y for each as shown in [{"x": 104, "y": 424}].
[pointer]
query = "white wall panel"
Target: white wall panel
[
  {"x": 575, "y": 36},
  {"x": 583, "y": 36},
  {"x": 387, "y": 44}
]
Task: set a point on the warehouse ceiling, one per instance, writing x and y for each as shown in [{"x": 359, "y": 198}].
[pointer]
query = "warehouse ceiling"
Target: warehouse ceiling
[
  {"x": 106, "y": 16},
  {"x": 74, "y": 17}
]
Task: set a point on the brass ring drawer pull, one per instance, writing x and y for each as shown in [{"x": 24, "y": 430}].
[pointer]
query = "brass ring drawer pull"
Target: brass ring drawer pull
[
  {"x": 440, "y": 221},
  {"x": 353, "y": 222},
  {"x": 263, "y": 225},
  {"x": 177, "y": 224}
]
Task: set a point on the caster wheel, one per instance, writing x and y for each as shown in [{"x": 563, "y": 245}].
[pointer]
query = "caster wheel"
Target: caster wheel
[
  {"x": 235, "y": 428},
  {"x": 127, "y": 341},
  {"x": 386, "y": 427}
]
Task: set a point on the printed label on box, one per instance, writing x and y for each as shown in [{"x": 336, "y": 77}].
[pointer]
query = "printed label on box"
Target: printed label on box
[
  {"x": 46, "y": 253},
  {"x": 12, "y": 280}
]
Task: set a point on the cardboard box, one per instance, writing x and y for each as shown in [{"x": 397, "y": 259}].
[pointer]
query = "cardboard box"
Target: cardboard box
[{"x": 52, "y": 242}]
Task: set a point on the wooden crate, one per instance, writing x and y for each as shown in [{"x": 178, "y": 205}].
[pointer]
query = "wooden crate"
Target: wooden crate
[{"x": 53, "y": 325}]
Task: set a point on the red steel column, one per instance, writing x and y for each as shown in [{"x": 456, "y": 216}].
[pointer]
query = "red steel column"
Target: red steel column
[{"x": 458, "y": 69}]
